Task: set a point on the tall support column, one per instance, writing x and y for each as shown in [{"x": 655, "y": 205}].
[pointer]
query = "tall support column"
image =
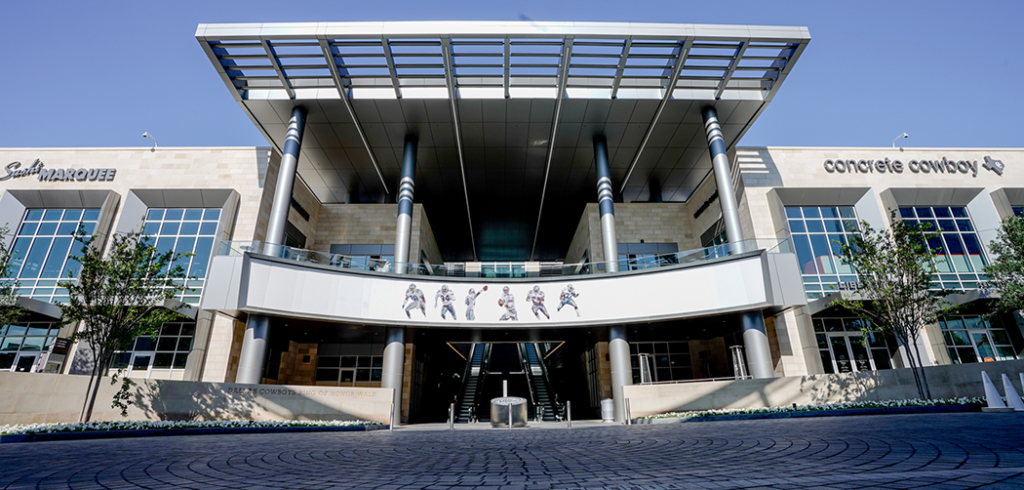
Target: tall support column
[
  {"x": 405, "y": 192},
  {"x": 254, "y": 350},
  {"x": 622, "y": 370},
  {"x": 755, "y": 343},
  {"x": 394, "y": 365},
  {"x": 605, "y": 202},
  {"x": 723, "y": 179},
  {"x": 286, "y": 178}
]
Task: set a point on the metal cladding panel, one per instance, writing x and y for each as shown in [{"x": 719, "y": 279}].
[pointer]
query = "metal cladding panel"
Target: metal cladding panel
[
  {"x": 502, "y": 96},
  {"x": 271, "y": 286}
]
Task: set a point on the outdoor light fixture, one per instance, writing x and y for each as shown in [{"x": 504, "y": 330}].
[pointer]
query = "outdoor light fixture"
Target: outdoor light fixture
[
  {"x": 147, "y": 135},
  {"x": 904, "y": 135}
]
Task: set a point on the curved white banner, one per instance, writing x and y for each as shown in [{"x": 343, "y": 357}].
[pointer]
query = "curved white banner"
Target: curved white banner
[{"x": 296, "y": 290}]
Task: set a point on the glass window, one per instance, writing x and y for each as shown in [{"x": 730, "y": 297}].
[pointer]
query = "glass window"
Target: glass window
[
  {"x": 172, "y": 345},
  {"x": 25, "y": 341},
  {"x": 185, "y": 231},
  {"x": 958, "y": 253},
  {"x": 849, "y": 345},
  {"x": 973, "y": 339},
  {"x": 670, "y": 363},
  {"x": 42, "y": 249},
  {"x": 819, "y": 234}
]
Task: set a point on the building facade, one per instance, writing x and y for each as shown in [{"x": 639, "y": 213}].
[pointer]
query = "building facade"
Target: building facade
[{"x": 593, "y": 221}]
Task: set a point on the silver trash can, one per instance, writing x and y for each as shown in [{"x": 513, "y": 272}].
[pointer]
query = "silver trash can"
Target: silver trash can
[
  {"x": 500, "y": 408},
  {"x": 607, "y": 410}
]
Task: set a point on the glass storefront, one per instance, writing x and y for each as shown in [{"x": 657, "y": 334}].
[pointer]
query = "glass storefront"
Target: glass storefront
[
  {"x": 359, "y": 371},
  {"x": 848, "y": 345},
  {"x": 819, "y": 233},
  {"x": 21, "y": 345},
  {"x": 42, "y": 246},
  {"x": 162, "y": 356},
  {"x": 977, "y": 339},
  {"x": 185, "y": 231},
  {"x": 667, "y": 361},
  {"x": 959, "y": 258}
]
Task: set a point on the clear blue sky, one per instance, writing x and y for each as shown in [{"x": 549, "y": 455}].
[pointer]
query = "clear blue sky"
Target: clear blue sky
[{"x": 101, "y": 73}]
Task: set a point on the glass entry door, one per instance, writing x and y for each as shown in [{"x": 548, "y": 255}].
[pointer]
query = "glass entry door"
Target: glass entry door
[
  {"x": 25, "y": 362},
  {"x": 983, "y": 345},
  {"x": 141, "y": 365},
  {"x": 849, "y": 354}
]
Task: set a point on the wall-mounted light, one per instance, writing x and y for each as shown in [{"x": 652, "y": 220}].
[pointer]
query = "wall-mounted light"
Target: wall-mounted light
[
  {"x": 904, "y": 135},
  {"x": 147, "y": 135}
]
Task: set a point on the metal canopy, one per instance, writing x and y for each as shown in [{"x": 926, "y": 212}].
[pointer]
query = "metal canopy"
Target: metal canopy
[{"x": 505, "y": 113}]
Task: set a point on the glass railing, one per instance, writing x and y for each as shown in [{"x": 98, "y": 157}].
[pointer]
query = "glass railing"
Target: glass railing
[{"x": 238, "y": 248}]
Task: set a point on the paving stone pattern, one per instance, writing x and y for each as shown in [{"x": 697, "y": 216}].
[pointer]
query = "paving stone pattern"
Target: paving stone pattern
[{"x": 936, "y": 451}]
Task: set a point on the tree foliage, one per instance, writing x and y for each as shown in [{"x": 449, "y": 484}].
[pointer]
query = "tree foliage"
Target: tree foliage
[
  {"x": 10, "y": 311},
  {"x": 894, "y": 269},
  {"x": 1006, "y": 272},
  {"x": 117, "y": 297}
]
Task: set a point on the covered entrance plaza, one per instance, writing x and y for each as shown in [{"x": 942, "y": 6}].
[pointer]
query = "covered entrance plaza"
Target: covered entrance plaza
[
  {"x": 496, "y": 129},
  {"x": 467, "y": 367}
]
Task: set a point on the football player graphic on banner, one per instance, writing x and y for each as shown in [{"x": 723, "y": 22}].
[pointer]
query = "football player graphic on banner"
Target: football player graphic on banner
[
  {"x": 509, "y": 302},
  {"x": 447, "y": 297},
  {"x": 568, "y": 298},
  {"x": 471, "y": 303},
  {"x": 414, "y": 299},
  {"x": 536, "y": 296}
]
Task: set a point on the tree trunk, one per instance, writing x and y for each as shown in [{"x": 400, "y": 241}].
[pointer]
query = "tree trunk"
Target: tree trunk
[
  {"x": 88, "y": 389},
  {"x": 924, "y": 380},
  {"x": 91, "y": 400},
  {"x": 913, "y": 367}
]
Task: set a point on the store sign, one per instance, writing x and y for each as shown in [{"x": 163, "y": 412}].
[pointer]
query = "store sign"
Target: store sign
[
  {"x": 943, "y": 166},
  {"x": 16, "y": 170}
]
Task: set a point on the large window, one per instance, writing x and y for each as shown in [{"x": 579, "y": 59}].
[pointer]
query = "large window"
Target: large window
[
  {"x": 21, "y": 345},
  {"x": 159, "y": 356},
  {"x": 819, "y": 233},
  {"x": 668, "y": 361},
  {"x": 846, "y": 346},
  {"x": 42, "y": 246},
  {"x": 959, "y": 259},
  {"x": 185, "y": 231},
  {"x": 362, "y": 371},
  {"x": 976, "y": 339}
]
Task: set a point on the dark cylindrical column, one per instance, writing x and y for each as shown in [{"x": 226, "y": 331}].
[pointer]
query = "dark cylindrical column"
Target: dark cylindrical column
[
  {"x": 405, "y": 193},
  {"x": 622, "y": 370},
  {"x": 755, "y": 343},
  {"x": 394, "y": 365},
  {"x": 606, "y": 205},
  {"x": 286, "y": 178},
  {"x": 254, "y": 350},
  {"x": 723, "y": 179}
]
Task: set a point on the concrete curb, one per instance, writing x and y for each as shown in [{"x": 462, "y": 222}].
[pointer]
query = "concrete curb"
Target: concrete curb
[
  {"x": 110, "y": 434},
  {"x": 808, "y": 413}
]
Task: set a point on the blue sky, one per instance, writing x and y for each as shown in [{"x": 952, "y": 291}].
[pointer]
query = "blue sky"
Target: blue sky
[{"x": 950, "y": 74}]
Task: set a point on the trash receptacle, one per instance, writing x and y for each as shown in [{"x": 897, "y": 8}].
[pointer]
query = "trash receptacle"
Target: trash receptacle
[
  {"x": 500, "y": 408},
  {"x": 608, "y": 410}
]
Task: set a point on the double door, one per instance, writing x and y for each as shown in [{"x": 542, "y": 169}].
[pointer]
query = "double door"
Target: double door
[
  {"x": 18, "y": 362},
  {"x": 849, "y": 354}
]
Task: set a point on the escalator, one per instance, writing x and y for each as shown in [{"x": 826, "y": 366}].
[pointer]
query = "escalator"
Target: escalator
[
  {"x": 476, "y": 371},
  {"x": 540, "y": 387}
]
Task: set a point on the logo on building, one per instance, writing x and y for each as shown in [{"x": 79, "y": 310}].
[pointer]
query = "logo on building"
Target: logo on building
[
  {"x": 994, "y": 165},
  {"x": 15, "y": 170}
]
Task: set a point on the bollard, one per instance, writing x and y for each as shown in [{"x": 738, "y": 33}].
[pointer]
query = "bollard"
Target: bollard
[
  {"x": 391, "y": 418},
  {"x": 451, "y": 417},
  {"x": 628, "y": 420},
  {"x": 510, "y": 417},
  {"x": 568, "y": 413},
  {"x": 995, "y": 402},
  {"x": 1012, "y": 398}
]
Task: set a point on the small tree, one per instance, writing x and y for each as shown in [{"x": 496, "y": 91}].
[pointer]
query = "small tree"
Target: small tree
[
  {"x": 117, "y": 298},
  {"x": 1006, "y": 272},
  {"x": 894, "y": 270},
  {"x": 10, "y": 310}
]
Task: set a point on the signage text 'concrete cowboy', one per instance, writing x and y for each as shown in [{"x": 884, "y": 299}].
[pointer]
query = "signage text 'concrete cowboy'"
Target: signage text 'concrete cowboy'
[
  {"x": 15, "y": 170},
  {"x": 943, "y": 166}
]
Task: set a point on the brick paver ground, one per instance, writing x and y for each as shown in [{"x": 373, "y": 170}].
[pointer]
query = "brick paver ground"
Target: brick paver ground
[{"x": 938, "y": 451}]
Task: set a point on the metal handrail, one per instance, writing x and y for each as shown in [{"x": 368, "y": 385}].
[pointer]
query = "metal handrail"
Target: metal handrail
[
  {"x": 466, "y": 373},
  {"x": 547, "y": 379}
]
